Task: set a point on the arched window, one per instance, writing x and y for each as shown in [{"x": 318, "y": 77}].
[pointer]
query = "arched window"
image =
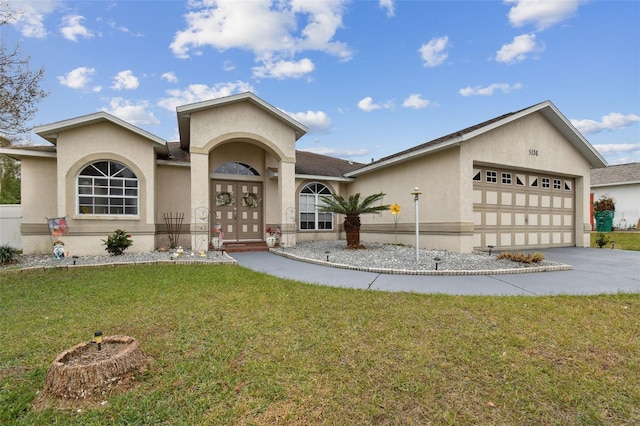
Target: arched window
[
  {"x": 109, "y": 188},
  {"x": 310, "y": 218},
  {"x": 237, "y": 168}
]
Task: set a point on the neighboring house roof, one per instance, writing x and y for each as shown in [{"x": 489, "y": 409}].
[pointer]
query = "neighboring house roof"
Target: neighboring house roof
[
  {"x": 619, "y": 174},
  {"x": 546, "y": 108},
  {"x": 50, "y": 131},
  {"x": 184, "y": 114},
  {"x": 311, "y": 164}
]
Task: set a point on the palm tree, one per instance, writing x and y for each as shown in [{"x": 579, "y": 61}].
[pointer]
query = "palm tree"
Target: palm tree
[{"x": 352, "y": 208}]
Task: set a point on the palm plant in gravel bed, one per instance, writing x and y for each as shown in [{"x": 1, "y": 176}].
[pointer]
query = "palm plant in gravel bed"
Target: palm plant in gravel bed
[{"x": 352, "y": 208}]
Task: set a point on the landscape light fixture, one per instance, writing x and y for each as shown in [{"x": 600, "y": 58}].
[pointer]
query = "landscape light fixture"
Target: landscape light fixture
[
  {"x": 98, "y": 339},
  {"x": 327, "y": 253},
  {"x": 437, "y": 260},
  {"x": 490, "y": 248},
  {"x": 416, "y": 197}
]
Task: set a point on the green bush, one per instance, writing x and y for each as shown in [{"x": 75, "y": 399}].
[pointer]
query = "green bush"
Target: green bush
[
  {"x": 602, "y": 240},
  {"x": 118, "y": 242},
  {"x": 8, "y": 254}
]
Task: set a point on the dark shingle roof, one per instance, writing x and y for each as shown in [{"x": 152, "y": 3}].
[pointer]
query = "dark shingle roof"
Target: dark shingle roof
[
  {"x": 620, "y": 173},
  {"x": 309, "y": 163}
]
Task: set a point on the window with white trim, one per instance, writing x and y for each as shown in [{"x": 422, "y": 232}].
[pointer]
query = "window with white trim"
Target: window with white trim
[
  {"x": 546, "y": 182},
  {"x": 557, "y": 184},
  {"x": 492, "y": 176},
  {"x": 506, "y": 178},
  {"x": 107, "y": 188},
  {"x": 309, "y": 200},
  {"x": 477, "y": 175}
]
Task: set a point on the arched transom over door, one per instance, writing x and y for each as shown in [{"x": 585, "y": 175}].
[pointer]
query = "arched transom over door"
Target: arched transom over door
[{"x": 236, "y": 202}]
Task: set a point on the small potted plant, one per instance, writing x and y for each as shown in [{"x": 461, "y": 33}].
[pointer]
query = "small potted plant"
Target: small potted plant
[
  {"x": 272, "y": 236},
  {"x": 604, "y": 210}
]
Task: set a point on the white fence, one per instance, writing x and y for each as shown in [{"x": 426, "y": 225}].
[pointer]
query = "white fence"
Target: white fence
[{"x": 10, "y": 219}]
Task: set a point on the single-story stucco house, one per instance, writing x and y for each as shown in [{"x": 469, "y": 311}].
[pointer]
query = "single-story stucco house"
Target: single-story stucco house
[
  {"x": 518, "y": 181},
  {"x": 622, "y": 183}
]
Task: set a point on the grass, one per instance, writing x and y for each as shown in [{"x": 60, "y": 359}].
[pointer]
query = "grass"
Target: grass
[
  {"x": 233, "y": 346},
  {"x": 624, "y": 240}
]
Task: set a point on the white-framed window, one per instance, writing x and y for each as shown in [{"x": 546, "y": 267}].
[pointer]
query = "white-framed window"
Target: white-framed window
[
  {"x": 309, "y": 200},
  {"x": 567, "y": 185},
  {"x": 477, "y": 175},
  {"x": 533, "y": 181},
  {"x": 520, "y": 180},
  {"x": 546, "y": 182},
  {"x": 107, "y": 188},
  {"x": 492, "y": 176},
  {"x": 557, "y": 184},
  {"x": 506, "y": 178},
  {"x": 237, "y": 168}
]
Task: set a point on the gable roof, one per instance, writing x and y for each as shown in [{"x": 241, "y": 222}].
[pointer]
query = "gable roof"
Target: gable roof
[
  {"x": 619, "y": 174},
  {"x": 546, "y": 108},
  {"x": 50, "y": 131},
  {"x": 312, "y": 164},
  {"x": 184, "y": 114}
]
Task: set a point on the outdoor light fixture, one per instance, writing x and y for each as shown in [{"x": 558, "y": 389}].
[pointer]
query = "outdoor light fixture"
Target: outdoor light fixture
[
  {"x": 98, "y": 339},
  {"x": 75, "y": 258},
  {"x": 327, "y": 253},
  {"x": 437, "y": 260},
  {"x": 416, "y": 196},
  {"x": 490, "y": 248}
]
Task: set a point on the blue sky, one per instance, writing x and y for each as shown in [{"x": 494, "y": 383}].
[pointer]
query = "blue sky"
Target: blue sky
[{"x": 369, "y": 78}]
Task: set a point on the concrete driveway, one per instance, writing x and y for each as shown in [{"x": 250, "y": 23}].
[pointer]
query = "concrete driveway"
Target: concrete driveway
[{"x": 595, "y": 271}]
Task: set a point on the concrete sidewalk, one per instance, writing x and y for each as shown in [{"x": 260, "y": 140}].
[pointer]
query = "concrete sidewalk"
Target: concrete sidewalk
[{"x": 595, "y": 271}]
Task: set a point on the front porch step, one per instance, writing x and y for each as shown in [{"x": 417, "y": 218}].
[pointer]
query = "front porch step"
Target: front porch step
[{"x": 244, "y": 247}]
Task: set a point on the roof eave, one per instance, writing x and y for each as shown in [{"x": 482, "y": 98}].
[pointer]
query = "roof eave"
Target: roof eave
[{"x": 19, "y": 154}]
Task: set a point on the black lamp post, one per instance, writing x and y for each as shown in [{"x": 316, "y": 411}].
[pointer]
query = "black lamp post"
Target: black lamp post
[{"x": 98, "y": 338}]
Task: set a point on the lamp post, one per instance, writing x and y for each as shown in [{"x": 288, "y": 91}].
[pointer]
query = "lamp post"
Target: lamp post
[
  {"x": 416, "y": 196},
  {"x": 98, "y": 339}
]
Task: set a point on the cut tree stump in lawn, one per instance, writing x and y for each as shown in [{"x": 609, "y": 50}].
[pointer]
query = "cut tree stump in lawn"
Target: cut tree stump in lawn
[{"x": 84, "y": 373}]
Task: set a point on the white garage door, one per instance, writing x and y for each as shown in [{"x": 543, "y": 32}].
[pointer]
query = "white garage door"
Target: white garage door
[{"x": 518, "y": 210}]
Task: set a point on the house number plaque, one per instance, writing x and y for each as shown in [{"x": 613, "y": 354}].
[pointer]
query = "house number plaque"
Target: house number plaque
[{"x": 533, "y": 152}]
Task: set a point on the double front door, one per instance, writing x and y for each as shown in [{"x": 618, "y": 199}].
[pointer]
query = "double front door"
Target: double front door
[{"x": 236, "y": 207}]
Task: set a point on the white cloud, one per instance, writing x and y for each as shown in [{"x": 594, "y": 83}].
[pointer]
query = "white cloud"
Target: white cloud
[
  {"x": 518, "y": 49},
  {"x": 433, "y": 53},
  {"x": 72, "y": 28},
  {"x": 125, "y": 80},
  {"x": 542, "y": 13},
  {"x": 275, "y": 31},
  {"x": 31, "y": 16},
  {"x": 611, "y": 121},
  {"x": 415, "y": 101},
  {"x": 284, "y": 69},
  {"x": 201, "y": 92},
  {"x": 387, "y": 4},
  {"x": 170, "y": 77},
  {"x": 123, "y": 29},
  {"x": 614, "y": 148},
  {"x": 316, "y": 121},
  {"x": 488, "y": 90},
  {"x": 136, "y": 114},
  {"x": 78, "y": 78}
]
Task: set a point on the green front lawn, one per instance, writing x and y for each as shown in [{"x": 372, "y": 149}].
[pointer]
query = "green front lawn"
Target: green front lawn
[
  {"x": 624, "y": 240},
  {"x": 233, "y": 346}
]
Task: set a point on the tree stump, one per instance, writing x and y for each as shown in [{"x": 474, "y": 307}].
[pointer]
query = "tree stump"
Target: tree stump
[{"x": 86, "y": 373}]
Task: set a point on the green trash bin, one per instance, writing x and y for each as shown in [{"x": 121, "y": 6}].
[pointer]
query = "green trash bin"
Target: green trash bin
[{"x": 604, "y": 221}]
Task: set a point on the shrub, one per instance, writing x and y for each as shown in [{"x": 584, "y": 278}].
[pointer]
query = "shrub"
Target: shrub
[
  {"x": 521, "y": 257},
  {"x": 601, "y": 240},
  {"x": 8, "y": 254},
  {"x": 604, "y": 203},
  {"x": 118, "y": 242}
]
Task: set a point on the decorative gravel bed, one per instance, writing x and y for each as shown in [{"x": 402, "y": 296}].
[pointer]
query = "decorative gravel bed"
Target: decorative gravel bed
[
  {"x": 397, "y": 258},
  {"x": 48, "y": 261},
  {"x": 376, "y": 257}
]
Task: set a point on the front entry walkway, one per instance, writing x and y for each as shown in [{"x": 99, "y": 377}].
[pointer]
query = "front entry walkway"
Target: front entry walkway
[{"x": 595, "y": 271}]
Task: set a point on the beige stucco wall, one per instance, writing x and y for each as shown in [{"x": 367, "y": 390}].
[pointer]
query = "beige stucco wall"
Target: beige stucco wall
[
  {"x": 173, "y": 196},
  {"x": 39, "y": 190},
  {"x": 510, "y": 145}
]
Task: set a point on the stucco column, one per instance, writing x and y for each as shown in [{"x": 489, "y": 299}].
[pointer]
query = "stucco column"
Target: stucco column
[
  {"x": 199, "y": 192},
  {"x": 287, "y": 196}
]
